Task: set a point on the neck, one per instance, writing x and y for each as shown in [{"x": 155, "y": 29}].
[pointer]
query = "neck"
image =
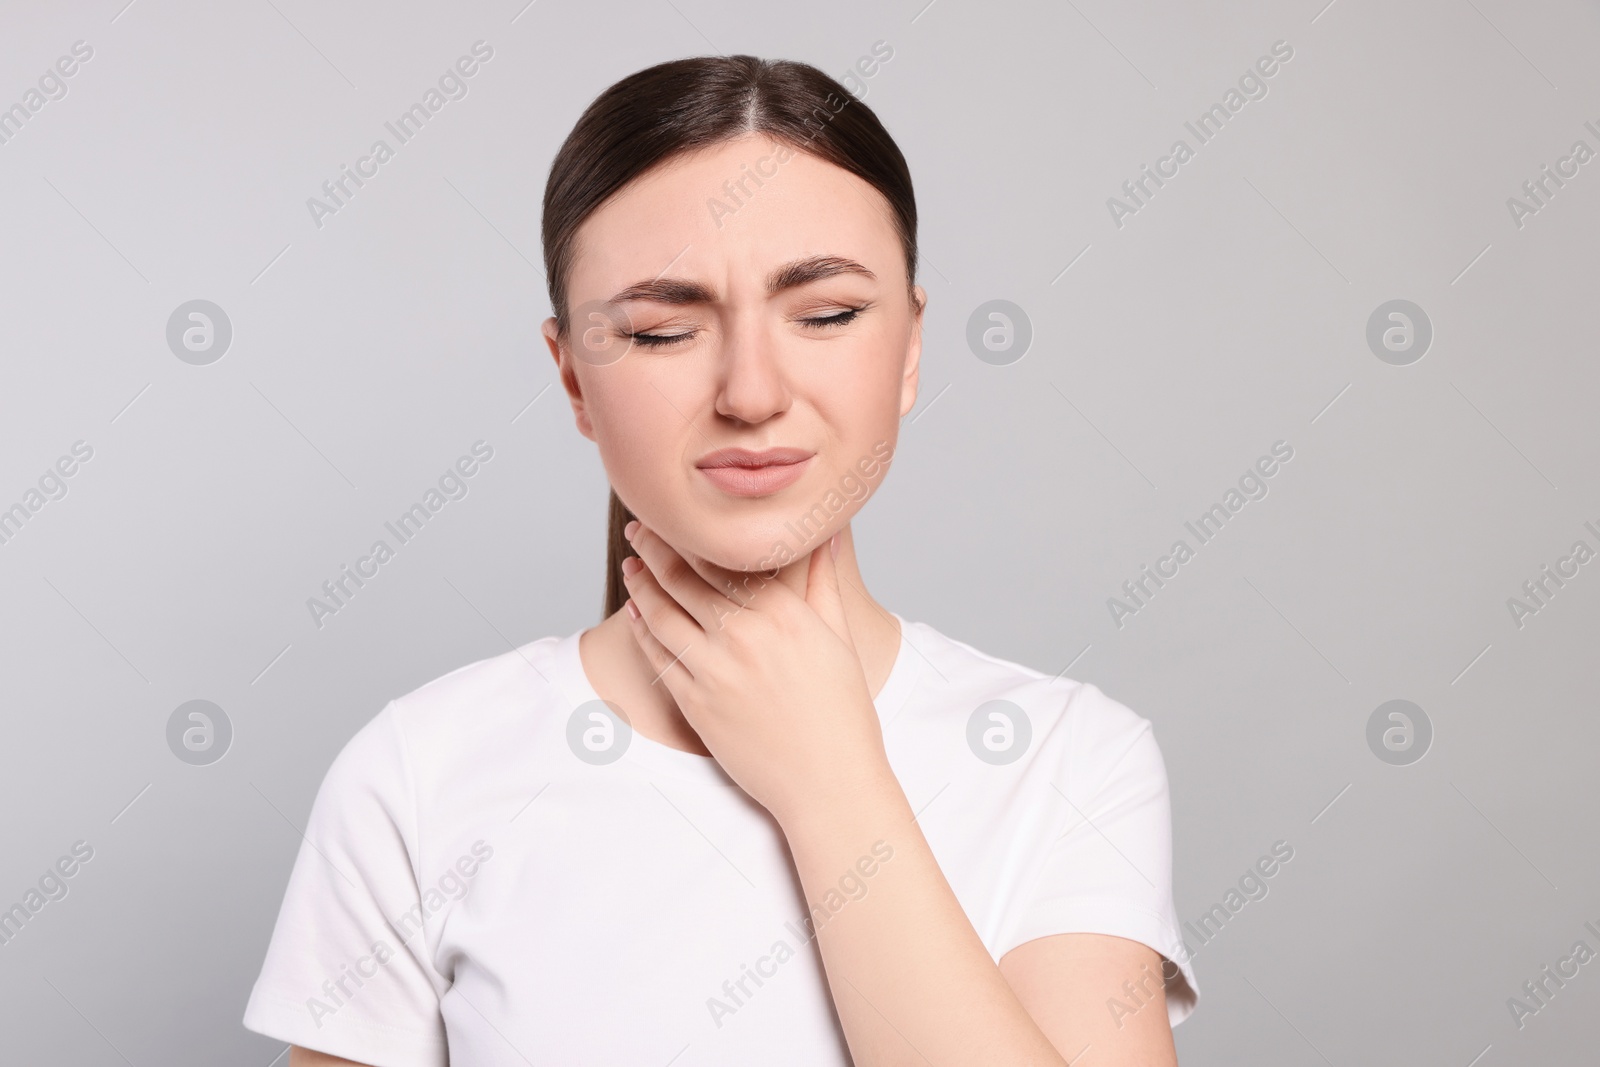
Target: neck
[{"x": 620, "y": 673}]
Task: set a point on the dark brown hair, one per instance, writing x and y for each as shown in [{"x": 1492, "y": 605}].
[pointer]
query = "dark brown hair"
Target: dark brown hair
[{"x": 687, "y": 104}]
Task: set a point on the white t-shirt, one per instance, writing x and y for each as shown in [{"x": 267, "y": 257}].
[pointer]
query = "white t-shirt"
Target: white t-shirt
[{"x": 475, "y": 889}]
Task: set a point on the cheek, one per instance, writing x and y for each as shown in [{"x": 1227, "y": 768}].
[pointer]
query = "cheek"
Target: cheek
[
  {"x": 638, "y": 431},
  {"x": 863, "y": 390}
]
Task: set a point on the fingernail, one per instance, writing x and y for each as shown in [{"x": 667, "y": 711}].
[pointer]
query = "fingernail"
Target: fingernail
[
  {"x": 629, "y": 530},
  {"x": 636, "y": 566},
  {"x": 633, "y": 609},
  {"x": 833, "y": 546}
]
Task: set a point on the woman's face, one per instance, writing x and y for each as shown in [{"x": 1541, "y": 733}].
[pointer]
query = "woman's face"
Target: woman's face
[{"x": 710, "y": 312}]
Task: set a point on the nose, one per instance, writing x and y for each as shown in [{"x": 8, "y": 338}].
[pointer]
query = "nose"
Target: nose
[{"x": 751, "y": 386}]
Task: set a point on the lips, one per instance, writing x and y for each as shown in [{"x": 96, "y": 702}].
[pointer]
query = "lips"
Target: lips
[
  {"x": 742, "y": 472},
  {"x": 743, "y": 457}
]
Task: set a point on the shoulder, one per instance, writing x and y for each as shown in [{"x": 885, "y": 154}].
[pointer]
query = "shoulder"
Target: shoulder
[
  {"x": 480, "y": 692},
  {"x": 1098, "y": 730},
  {"x": 953, "y": 671},
  {"x": 952, "y": 662},
  {"x": 452, "y": 720}
]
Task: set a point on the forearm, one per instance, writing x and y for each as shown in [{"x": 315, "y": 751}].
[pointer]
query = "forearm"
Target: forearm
[{"x": 912, "y": 981}]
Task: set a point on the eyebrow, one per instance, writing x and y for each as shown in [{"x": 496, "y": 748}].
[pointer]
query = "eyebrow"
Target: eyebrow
[{"x": 789, "y": 276}]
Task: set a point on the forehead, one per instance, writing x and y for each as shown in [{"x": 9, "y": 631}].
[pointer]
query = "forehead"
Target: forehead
[{"x": 728, "y": 213}]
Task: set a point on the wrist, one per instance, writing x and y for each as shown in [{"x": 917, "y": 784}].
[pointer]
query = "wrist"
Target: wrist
[{"x": 870, "y": 798}]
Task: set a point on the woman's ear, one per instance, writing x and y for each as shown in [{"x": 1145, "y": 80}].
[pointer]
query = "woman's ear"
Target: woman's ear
[
  {"x": 552, "y": 339},
  {"x": 908, "y": 383},
  {"x": 568, "y": 375}
]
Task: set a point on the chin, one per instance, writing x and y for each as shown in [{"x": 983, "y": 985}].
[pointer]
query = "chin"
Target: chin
[
  {"x": 748, "y": 557},
  {"x": 758, "y": 552}
]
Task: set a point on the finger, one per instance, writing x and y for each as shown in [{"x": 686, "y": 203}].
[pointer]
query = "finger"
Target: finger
[
  {"x": 660, "y": 615},
  {"x": 822, "y": 590},
  {"x": 673, "y": 573},
  {"x": 663, "y": 663}
]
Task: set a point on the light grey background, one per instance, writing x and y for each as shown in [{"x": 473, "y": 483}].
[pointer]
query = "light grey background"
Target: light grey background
[{"x": 1229, "y": 313}]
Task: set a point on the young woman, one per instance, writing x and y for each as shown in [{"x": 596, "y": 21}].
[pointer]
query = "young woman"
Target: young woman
[{"x": 753, "y": 816}]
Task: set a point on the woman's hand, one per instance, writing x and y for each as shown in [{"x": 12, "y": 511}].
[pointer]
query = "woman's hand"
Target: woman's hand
[{"x": 773, "y": 686}]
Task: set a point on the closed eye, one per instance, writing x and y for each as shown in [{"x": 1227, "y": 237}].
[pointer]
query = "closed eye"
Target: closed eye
[
  {"x": 658, "y": 340},
  {"x": 816, "y": 322},
  {"x": 840, "y": 318}
]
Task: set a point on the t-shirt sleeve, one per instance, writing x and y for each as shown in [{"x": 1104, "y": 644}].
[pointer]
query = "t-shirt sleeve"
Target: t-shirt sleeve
[
  {"x": 1110, "y": 869},
  {"x": 348, "y": 971}
]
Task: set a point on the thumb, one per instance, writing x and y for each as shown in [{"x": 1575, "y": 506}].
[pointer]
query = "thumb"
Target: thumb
[{"x": 822, "y": 589}]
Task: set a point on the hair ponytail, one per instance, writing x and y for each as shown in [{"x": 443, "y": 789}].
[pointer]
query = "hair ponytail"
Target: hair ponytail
[{"x": 617, "y": 550}]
